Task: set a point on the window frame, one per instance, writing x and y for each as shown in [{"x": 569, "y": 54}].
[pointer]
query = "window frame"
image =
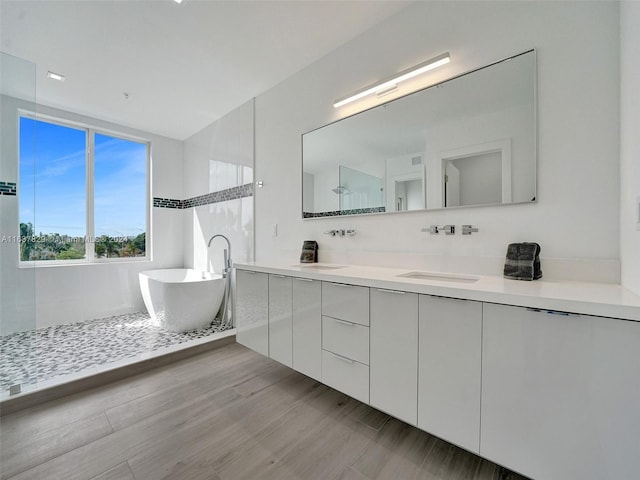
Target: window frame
[{"x": 90, "y": 132}]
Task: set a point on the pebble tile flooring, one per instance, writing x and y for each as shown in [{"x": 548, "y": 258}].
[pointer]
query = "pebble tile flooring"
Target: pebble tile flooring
[{"x": 37, "y": 355}]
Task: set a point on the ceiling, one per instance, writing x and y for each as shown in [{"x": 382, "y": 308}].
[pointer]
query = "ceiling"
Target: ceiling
[{"x": 182, "y": 65}]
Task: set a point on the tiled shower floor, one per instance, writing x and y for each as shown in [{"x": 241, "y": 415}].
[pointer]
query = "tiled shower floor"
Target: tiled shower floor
[{"x": 37, "y": 356}]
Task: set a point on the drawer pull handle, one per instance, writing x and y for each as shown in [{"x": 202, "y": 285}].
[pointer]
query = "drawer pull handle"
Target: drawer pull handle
[
  {"x": 250, "y": 271},
  {"x": 344, "y": 359},
  {"x": 553, "y": 312},
  {"x": 396, "y": 292},
  {"x": 344, "y": 322},
  {"x": 341, "y": 285},
  {"x": 304, "y": 279},
  {"x": 278, "y": 276}
]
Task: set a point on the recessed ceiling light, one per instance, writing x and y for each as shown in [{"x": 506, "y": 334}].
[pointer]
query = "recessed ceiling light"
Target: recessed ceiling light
[
  {"x": 178, "y": 1},
  {"x": 55, "y": 76}
]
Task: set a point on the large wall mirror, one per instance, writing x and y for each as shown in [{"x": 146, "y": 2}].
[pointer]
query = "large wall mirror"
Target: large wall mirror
[{"x": 467, "y": 141}]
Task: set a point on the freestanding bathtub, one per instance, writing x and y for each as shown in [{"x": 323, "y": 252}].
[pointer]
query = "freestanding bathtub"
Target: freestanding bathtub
[{"x": 181, "y": 299}]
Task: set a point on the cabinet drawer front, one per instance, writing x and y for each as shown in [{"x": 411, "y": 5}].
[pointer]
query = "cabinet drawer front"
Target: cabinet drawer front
[
  {"x": 307, "y": 327},
  {"x": 346, "y": 338},
  {"x": 394, "y": 353},
  {"x": 346, "y": 302},
  {"x": 449, "y": 369},
  {"x": 280, "y": 319},
  {"x": 252, "y": 310},
  {"x": 345, "y": 375},
  {"x": 570, "y": 382}
]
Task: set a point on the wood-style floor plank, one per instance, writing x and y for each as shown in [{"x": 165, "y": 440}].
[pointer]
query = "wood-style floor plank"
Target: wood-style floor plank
[
  {"x": 233, "y": 425},
  {"x": 397, "y": 451},
  {"x": 119, "y": 472},
  {"x": 227, "y": 414},
  {"x": 19, "y": 453}
]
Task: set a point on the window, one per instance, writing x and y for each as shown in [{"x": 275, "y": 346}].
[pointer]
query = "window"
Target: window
[{"x": 83, "y": 193}]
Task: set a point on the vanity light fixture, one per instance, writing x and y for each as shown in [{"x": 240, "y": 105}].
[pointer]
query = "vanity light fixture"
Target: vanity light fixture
[
  {"x": 390, "y": 84},
  {"x": 55, "y": 76}
]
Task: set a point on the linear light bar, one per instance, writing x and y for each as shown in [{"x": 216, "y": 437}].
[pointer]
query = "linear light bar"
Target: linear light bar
[
  {"x": 387, "y": 85},
  {"x": 55, "y": 76}
]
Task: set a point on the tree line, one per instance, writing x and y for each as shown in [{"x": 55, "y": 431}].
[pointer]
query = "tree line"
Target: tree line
[{"x": 54, "y": 246}]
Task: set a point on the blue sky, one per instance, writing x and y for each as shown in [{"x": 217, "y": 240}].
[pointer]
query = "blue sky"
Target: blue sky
[{"x": 52, "y": 188}]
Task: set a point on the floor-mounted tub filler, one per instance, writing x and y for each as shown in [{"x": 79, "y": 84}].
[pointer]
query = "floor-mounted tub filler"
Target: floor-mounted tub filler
[
  {"x": 227, "y": 318},
  {"x": 181, "y": 299}
]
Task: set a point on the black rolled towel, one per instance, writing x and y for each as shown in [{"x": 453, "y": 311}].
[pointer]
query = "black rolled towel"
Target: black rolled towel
[
  {"x": 523, "y": 261},
  {"x": 309, "y": 252}
]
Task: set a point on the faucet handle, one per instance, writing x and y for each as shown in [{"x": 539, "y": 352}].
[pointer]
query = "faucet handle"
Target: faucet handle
[
  {"x": 433, "y": 229},
  {"x": 468, "y": 229}
]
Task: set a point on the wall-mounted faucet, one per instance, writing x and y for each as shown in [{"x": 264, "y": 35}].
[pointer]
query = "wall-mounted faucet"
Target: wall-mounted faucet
[
  {"x": 449, "y": 229},
  {"x": 340, "y": 232},
  {"x": 436, "y": 229},
  {"x": 227, "y": 254}
]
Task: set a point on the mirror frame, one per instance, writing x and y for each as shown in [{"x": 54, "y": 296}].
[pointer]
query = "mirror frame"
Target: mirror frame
[{"x": 459, "y": 153}]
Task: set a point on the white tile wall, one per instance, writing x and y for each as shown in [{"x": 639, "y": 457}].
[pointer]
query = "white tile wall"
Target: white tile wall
[{"x": 217, "y": 158}]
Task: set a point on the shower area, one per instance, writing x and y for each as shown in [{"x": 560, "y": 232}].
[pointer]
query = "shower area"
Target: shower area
[
  {"x": 18, "y": 365},
  {"x": 63, "y": 319}
]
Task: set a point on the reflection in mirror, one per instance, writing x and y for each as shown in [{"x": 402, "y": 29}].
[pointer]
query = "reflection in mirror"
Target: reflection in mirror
[
  {"x": 467, "y": 141},
  {"x": 405, "y": 183},
  {"x": 358, "y": 190},
  {"x": 477, "y": 175}
]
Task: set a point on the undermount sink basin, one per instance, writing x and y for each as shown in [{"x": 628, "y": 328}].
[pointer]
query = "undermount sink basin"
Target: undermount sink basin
[
  {"x": 315, "y": 266},
  {"x": 441, "y": 277}
]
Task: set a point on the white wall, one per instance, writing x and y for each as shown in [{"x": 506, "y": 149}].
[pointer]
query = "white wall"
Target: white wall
[
  {"x": 67, "y": 294},
  {"x": 576, "y": 217},
  {"x": 630, "y": 144},
  {"x": 219, "y": 157}
]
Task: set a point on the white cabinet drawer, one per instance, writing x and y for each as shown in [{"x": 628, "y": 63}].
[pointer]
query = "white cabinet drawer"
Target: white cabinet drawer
[
  {"x": 252, "y": 310},
  {"x": 346, "y": 338},
  {"x": 347, "y": 376},
  {"x": 307, "y": 327},
  {"x": 280, "y": 319},
  {"x": 449, "y": 369},
  {"x": 346, "y": 302},
  {"x": 394, "y": 353},
  {"x": 560, "y": 393}
]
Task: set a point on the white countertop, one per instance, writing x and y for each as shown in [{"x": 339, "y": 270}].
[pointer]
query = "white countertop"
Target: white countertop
[{"x": 600, "y": 299}]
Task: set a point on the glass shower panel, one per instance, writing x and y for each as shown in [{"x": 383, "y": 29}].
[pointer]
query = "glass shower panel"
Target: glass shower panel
[
  {"x": 18, "y": 354},
  {"x": 359, "y": 190}
]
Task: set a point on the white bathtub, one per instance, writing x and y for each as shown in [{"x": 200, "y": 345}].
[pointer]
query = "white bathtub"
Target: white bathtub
[{"x": 181, "y": 299}]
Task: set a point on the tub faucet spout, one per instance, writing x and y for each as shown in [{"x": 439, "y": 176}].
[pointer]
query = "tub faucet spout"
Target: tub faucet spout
[
  {"x": 226, "y": 320},
  {"x": 227, "y": 254}
]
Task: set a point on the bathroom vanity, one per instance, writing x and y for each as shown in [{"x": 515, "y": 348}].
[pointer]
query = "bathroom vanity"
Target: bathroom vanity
[{"x": 541, "y": 377}]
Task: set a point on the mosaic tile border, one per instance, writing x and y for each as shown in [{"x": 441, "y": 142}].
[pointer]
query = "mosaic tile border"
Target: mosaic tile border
[
  {"x": 232, "y": 193},
  {"x": 8, "y": 188},
  {"x": 166, "y": 202},
  {"x": 338, "y": 213}
]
